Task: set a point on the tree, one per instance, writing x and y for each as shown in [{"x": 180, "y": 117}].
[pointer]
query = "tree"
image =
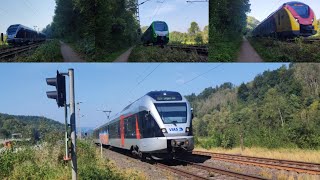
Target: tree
[
  {"x": 205, "y": 34},
  {"x": 194, "y": 29},
  {"x": 198, "y": 38},
  {"x": 252, "y": 23}
]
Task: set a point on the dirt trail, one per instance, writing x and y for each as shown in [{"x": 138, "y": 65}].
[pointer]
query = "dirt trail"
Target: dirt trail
[
  {"x": 125, "y": 56},
  {"x": 247, "y": 53},
  {"x": 68, "y": 54}
]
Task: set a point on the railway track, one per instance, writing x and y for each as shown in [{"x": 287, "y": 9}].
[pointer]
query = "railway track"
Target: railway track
[
  {"x": 220, "y": 171},
  {"x": 307, "y": 41},
  {"x": 201, "y": 50},
  {"x": 297, "y": 166},
  {"x": 9, "y": 52}
]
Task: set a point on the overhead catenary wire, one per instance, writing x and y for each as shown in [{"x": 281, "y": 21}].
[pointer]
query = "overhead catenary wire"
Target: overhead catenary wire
[
  {"x": 157, "y": 11},
  {"x": 211, "y": 69},
  {"x": 138, "y": 84}
]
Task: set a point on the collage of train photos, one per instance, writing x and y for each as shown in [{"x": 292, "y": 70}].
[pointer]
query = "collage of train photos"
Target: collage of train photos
[{"x": 159, "y": 89}]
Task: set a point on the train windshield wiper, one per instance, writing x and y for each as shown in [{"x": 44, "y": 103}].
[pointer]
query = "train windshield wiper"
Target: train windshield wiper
[{"x": 174, "y": 122}]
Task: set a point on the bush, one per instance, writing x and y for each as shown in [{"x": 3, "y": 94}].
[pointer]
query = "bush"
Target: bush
[
  {"x": 47, "y": 52},
  {"x": 157, "y": 54}
]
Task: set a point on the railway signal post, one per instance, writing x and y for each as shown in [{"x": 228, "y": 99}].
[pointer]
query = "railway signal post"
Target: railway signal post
[
  {"x": 60, "y": 96},
  {"x": 1, "y": 37}
]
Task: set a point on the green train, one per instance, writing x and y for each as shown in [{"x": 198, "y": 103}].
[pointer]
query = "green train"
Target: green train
[{"x": 157, "y": 34}]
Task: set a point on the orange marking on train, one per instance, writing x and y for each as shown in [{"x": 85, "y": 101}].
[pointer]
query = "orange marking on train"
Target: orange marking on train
[
  {"x": 122, "y": 130},
  {"x": 137, "y": 129}
]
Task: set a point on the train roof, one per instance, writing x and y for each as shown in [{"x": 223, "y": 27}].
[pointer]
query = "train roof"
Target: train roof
[
  {"x": 25, "y": 27},
  {"x": 164, "y": 96}
]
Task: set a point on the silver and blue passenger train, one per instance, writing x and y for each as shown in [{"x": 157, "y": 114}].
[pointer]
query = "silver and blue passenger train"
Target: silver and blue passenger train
[
  {"x": 19, "y": 34},
  {"x": 158, "y": 125}
]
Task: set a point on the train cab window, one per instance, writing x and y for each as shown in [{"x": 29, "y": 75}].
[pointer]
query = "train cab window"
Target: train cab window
[
  {"x": 12, "y": 30},
  {"x": 302, "y": 9},
  {"x": 160, "y": 26},
  {"x": 172, "y": 113}
]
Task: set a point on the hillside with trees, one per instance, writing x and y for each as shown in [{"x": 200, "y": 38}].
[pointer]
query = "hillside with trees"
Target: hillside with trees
[
  {"x": 29, "y": 126},
  {"x": 278, "y": 109},
  {"x": 227, "y": 20}
]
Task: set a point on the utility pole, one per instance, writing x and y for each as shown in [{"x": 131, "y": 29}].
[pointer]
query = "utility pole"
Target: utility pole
[
  {"x": 60, "y": 96},
  {"x": 79, "y": 116},
  {"x": 73, "y": 126}
]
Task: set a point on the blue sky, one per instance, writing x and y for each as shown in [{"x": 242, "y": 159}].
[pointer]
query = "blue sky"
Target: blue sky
[
  {"x": 27, "y": 12},
  {"x": 110, "y": 86},
  {"x": 262, "y": 9},
  {"x": 177, "y": 13}
]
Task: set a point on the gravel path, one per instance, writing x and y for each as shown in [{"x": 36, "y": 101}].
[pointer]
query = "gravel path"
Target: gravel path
[
  {"x": 68, "y": 54},
  {"x": 248, "y": 53},
  {"x": 125, "y": 56}
]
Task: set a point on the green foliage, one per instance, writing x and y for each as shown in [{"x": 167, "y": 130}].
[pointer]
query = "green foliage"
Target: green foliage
[
  {"x": 280, "y": 51},
  {"x": 227, "y": 23},
  {"x": 47, "y": 52},
  {"x": 47, "y": 162},
  {"x": 279, "y": 108},
  {"x": 193, "y": 36},
  {"x": 252, "y": 23},
  {"x": 157, "y": 54},
  {"x": 74, "y": 20},
  {"x": 4, "y": 42},
  {"x": 116, "y": 26}
]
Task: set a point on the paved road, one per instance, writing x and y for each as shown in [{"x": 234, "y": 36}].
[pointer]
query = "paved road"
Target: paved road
[
  {"x": 125, "y": 56},
  {"x": 68, "y": 54},
  {"x": 248, "y": 53}
]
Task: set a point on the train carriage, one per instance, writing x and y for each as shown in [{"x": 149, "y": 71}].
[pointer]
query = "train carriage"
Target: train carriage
[
  {"x": 157, "y": 34},
  {"x": 292, "y": 19},
  {"x": 19, "y": 34},
  {"x": 158, "y": 124}
]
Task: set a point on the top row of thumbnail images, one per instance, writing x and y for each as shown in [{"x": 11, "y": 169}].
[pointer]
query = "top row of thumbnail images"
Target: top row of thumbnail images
[{"x": 159, "y": 31}]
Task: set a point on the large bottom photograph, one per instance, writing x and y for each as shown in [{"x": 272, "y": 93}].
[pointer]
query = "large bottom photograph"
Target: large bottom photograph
[{"x": 160, "y": 121}]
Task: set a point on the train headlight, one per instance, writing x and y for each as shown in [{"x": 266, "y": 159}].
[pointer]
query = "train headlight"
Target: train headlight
[
  {"x": 164, "y": 130},
  {"x": 187, "y": 129},
  {"x": 297, "y": 19},
  {"x": 187, "y": 142},
  {"x": 312, "y": 20},
  {"x": 173, "y": 143}
]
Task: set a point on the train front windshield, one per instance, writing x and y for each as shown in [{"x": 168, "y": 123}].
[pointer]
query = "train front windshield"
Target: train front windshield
[
  {"x": 160, "y": 26},
  {"x": 301, "y": 9},
  {"x": 172, "y": 113},
  {"x": 12, "y": 30}
]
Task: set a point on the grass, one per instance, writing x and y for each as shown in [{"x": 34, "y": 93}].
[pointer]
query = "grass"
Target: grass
[
  {"x": 286, "y": 154},
  {"x": 224, "y": 48},
  {"x": 280, "y": 51},
  {"x": 103, "y": 56},
  {"x": 47, "y": 163},
  {"x": 156, "y": 54},
  {"x": 3, "y": 43},
  {"x": 47, "y": 52}
]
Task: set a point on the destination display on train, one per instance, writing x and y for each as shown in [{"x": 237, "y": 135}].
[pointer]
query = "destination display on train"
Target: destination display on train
[{"x": 167, "y": 96}]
